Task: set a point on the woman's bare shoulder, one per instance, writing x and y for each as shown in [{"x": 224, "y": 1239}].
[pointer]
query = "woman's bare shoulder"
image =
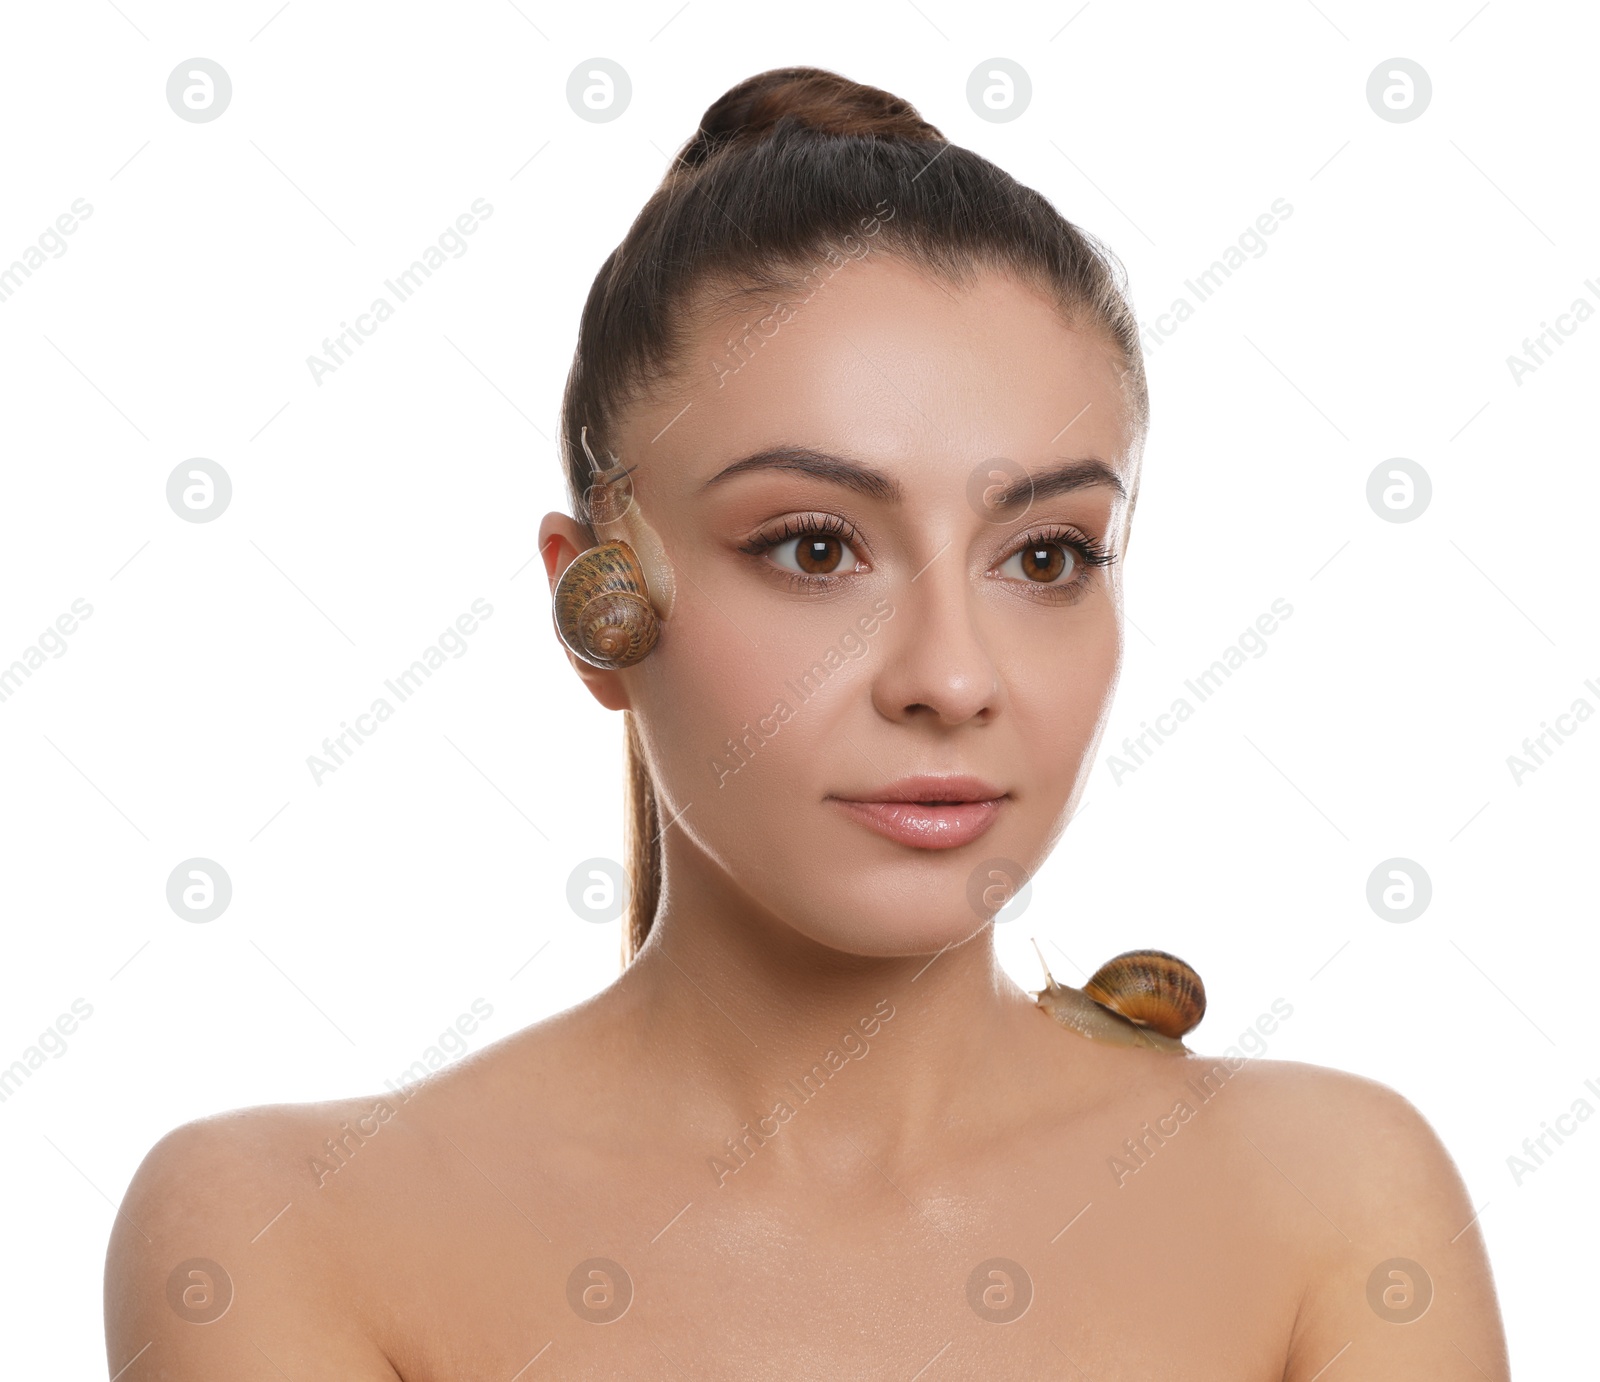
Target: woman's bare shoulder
[
  {"x": 262, "y": 1167},
  {"x": 1335, "y": 1123},
  {"x": 221, "y": 1226},
  {"x": 1288, "y": 1081},
  {"x": 206, "y": 1165},
  {"x": 1358, "y": 1174},
  {"x": 1302, "y": 1103}
]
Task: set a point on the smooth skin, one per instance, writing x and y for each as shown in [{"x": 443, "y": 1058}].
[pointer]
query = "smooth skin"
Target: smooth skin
[{"x": 964, "y": 1126}]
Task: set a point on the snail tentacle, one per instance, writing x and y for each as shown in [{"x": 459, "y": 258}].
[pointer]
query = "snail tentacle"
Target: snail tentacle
[{"x": 610, "y": 602}]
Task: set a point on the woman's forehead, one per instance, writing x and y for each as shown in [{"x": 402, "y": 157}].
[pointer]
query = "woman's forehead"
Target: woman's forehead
[{"x": 883, "y": 363}]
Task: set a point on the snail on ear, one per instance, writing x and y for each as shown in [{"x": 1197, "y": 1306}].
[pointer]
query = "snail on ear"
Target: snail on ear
[
  {"x": 611, "y": 601},
  {"x": 1139, "y": 998}
]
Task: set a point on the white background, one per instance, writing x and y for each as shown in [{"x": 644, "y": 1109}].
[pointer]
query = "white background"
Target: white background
[{"x": 369, "y": 511}]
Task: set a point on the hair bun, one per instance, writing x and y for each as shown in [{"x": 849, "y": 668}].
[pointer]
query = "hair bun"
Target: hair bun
[{"x": 809, "y": 97}]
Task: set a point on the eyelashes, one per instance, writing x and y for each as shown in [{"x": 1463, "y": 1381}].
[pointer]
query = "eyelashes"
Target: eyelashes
[
  {"x": 1032, "y": 553},
  {"x": 1040, "y": 556},
  {"x": 825, "y": 530}
]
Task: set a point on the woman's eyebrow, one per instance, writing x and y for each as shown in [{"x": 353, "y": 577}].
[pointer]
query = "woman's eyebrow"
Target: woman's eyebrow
[
  {"x": 1063, "y": 478},
  {"x": 840, "y": 470},
  {"x": 864, "y": 479}
]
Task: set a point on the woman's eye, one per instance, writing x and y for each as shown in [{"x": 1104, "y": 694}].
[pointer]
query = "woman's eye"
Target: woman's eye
[
  {"x": 1042, "y": 563},
  {"x": 813, "y": 554}
]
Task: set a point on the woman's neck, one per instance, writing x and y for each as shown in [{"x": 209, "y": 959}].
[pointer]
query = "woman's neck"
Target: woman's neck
[{"x": 734, "y": 1017}]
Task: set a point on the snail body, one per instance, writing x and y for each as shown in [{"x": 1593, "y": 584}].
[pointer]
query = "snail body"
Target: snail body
[
  {"x": 611, "y": 600},
  {"x": 1139, "y": 998}
]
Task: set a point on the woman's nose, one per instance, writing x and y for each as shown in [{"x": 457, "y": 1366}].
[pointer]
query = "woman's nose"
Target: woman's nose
[{"x": 937, "y": 665}]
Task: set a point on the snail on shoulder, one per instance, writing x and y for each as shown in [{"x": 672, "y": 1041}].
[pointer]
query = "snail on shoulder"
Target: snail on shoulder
[
  {"x": 611, "y": 600},
  {"x": 1139, "y": 998}
]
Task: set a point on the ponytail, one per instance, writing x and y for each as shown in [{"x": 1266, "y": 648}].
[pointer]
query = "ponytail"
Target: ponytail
[{"x": 641, "y": 841}]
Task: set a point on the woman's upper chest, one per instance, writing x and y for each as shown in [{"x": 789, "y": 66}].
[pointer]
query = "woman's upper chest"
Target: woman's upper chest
[{"x": 1042, "y": 1259}]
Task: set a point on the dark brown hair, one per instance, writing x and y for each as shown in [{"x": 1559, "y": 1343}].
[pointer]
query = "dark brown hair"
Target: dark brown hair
[{"x": 787, "y": 170}]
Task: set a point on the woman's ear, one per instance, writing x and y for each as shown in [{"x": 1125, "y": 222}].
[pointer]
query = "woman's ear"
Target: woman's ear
[{"x": 561, "y": 540}]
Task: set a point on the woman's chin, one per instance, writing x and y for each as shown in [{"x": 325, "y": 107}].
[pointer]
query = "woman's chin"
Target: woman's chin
[{"x": 893, "y": 933}]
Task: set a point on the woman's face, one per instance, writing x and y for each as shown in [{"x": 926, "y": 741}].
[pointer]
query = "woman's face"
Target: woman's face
[{"x": 897, "y": 626}]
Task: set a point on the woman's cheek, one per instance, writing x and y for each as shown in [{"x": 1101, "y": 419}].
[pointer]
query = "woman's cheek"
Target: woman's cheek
[
  {"x": 709, "y": 677},
  {"x": 716, "y": 698},
  {"x": 1061, "y": 687}
]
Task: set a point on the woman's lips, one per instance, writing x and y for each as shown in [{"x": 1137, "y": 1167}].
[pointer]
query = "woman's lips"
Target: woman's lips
[{"x": 944, "y": 825}]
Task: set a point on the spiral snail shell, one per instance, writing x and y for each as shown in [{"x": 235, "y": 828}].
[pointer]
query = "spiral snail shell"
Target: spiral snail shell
[
  {"x": 603, "y": 610},
  {"x": 610, "y": 601},
  {"x": 1139, "y": 998}
]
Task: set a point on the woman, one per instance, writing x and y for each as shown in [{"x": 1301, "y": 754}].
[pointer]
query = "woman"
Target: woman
[{"x": 875, "y": 414}]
